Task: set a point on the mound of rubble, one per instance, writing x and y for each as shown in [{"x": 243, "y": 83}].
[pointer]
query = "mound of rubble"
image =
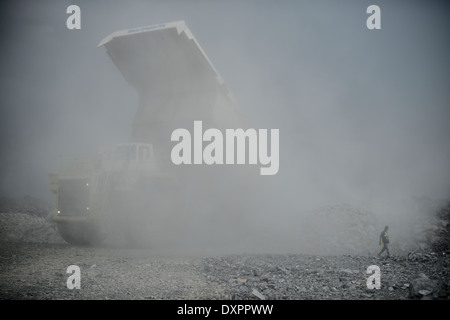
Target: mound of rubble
[
  {"x": 23, "y": 227},
  {"x": 339, "y": 229},
  {"x": 26, "y": 204},
  {"x": 440, "y": 238},
  {"x": 304, "y": 277},
  {"x": 344, "y": 229}
]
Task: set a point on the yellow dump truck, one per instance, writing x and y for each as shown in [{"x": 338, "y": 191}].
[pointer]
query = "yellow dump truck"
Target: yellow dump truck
[
  {"x": 119, "y": 193},
  {"x": 135, "y": 189}
]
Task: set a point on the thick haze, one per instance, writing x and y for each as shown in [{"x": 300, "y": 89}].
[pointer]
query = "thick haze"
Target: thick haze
[{"x": 363, "y": 114}]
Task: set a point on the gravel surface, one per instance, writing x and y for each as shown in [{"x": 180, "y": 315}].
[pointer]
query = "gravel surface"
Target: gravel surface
[
  {"x": 38, "y": 271},
  {"x": 322, "y": 277},
  {"x": 34, "y": 262}
]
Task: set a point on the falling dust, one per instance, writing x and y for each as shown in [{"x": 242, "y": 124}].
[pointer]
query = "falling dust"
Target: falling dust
[{"x": 363, "y": 136}]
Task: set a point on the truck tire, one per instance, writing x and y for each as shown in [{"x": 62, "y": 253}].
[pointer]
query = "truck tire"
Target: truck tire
[{"x": 80, "y": 233}]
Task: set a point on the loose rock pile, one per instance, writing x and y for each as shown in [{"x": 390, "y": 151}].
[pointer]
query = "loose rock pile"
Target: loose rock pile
[
  {"x": 440, "y": 237},
  {"x": 27, "y": 219},
  {"x": 26, "y": 204}
]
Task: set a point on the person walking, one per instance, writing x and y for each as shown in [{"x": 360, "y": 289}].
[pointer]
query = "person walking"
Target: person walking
[{"x": 384, "y": 241}]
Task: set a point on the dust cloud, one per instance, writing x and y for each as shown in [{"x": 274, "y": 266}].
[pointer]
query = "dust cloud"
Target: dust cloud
[{"x": 363, "y": 116}]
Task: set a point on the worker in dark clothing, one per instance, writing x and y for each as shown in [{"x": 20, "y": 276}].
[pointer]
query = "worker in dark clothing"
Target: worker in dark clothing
[{"x": 384, "y": 241}]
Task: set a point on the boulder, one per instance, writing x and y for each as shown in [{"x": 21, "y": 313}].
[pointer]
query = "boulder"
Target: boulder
[{"x": 421, "y": 286}]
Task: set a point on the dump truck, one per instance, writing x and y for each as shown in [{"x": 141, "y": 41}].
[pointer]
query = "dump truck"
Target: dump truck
[{"x": 134, "y": 189}]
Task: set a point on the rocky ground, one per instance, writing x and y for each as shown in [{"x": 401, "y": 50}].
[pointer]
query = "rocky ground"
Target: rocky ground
[
  {"x": 277, "y": 277},
  {"x": 38, "y": 271},
  {"x": 34, "y": 261}
]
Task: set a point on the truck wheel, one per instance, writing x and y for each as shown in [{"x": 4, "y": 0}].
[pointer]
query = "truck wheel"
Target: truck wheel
[{"x": 80, "y": 233}]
